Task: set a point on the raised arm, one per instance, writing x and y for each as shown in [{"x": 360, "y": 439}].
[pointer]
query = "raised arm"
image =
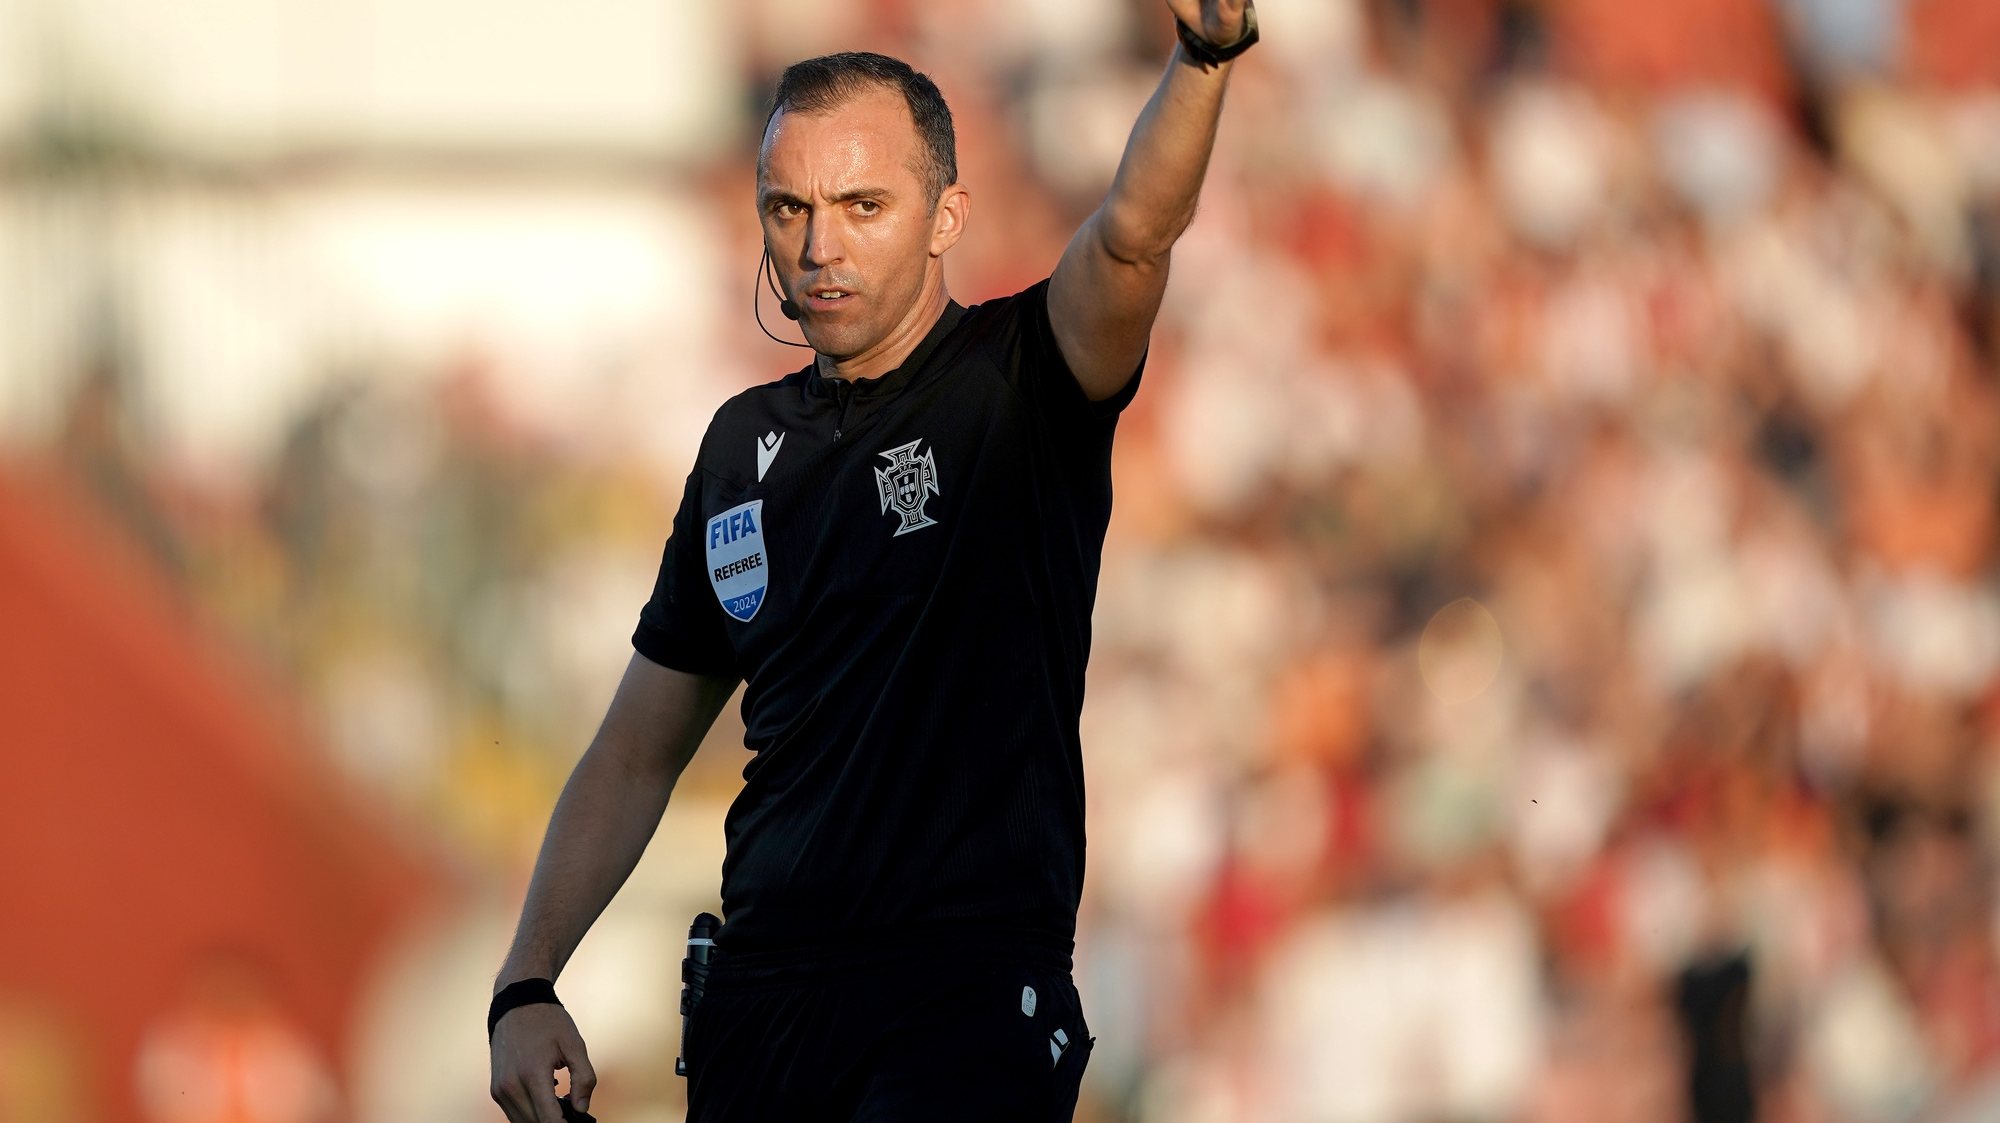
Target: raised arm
[
  {"x": 602, "y": 822},
  {"x": 1106, "y": 290}
]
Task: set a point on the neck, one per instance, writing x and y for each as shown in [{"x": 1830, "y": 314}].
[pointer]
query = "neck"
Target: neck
[{"x": 897, "y": 345}]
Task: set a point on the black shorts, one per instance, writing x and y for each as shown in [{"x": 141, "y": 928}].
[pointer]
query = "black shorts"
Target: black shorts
[{"x": 984, "y": 1039}]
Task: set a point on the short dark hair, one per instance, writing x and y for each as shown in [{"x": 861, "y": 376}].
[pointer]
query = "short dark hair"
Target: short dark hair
[{"x": 819, "y": 84}]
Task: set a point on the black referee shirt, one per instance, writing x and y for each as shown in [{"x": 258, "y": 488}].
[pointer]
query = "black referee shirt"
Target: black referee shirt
[{"x": 902, "y": 569}]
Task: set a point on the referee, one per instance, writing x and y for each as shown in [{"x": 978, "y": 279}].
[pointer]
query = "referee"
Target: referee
[{"x": 897, "y": 549}]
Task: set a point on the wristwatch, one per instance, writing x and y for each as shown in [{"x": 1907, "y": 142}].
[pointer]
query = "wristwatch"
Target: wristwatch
[{"x": 1206, "y": 54}]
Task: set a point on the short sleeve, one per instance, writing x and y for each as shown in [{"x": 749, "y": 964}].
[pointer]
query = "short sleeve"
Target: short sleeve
[
  {"x": 680, "y": 626},
  {"x": 1048, "y": 372}
]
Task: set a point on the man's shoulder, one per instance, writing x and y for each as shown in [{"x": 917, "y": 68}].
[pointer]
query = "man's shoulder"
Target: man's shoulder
[
  {"x": 784, "y": 386},
  {"x": 996, "y": 325},
  {"x": 1013, "y": 304},
  {"x": 752, "y": 410}
]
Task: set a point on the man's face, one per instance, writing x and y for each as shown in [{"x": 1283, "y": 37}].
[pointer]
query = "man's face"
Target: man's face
[{"x": 844, "y": 208}]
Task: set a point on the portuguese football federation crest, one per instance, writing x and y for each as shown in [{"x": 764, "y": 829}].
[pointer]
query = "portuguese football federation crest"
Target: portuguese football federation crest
[{"x": 906, "y": 484}]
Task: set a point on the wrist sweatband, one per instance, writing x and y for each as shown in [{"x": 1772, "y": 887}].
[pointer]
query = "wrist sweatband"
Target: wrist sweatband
[{"x": 525, "y": 992}]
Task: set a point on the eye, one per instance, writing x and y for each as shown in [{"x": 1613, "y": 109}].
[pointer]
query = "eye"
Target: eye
[
  {"x": 786, "y": 209},
  {"x": 868, "y": 206}
]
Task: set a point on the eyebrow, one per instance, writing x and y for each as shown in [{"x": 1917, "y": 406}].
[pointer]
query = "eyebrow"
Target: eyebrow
[{"x": 772, "y": 195}]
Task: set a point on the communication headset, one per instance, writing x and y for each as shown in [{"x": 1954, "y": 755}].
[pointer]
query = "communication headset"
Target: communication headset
[{"x": 788, "y": 307}]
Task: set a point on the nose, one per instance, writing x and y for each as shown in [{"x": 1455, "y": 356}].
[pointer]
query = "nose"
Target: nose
[{"x": 823, "y": 242}]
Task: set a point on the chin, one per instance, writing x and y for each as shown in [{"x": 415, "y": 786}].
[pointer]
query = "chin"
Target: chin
[{"x": 836, "y": 343}]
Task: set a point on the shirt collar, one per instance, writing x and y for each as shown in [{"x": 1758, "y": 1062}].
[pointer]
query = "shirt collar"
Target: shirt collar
[{"x": 890, "y": 381}]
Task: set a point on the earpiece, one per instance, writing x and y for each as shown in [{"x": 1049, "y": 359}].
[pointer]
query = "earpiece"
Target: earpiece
[{"x": 787, "y": 306}]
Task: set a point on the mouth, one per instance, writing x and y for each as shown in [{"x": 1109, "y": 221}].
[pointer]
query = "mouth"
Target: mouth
[{"x": 828, "y": 299}]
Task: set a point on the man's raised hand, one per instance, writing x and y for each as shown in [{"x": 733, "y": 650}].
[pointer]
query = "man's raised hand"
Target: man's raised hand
[{"x": 1220, "y": 22}]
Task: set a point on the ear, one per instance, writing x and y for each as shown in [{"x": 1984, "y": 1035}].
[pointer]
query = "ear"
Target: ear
[{"x": 948, "y": 224}]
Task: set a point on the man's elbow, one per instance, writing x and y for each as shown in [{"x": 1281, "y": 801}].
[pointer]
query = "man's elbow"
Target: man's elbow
[{"x": 1136, "y": 239}]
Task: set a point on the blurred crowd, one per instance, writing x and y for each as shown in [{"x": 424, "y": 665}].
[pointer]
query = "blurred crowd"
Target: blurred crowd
[
  {"x": 1547, "y": 660},
  {"x": 1548, "y": 671}
]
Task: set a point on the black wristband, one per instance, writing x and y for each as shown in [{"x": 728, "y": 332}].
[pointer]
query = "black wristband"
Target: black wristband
[
  {"x": 525, "y": 992},
  {"x": 1205, "y": 54}
]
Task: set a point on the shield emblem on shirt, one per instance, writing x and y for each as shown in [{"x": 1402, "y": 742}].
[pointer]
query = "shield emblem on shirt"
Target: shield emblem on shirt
[
  {"x": 739, "y": 569},
  {"x": 906, "y": 483}
]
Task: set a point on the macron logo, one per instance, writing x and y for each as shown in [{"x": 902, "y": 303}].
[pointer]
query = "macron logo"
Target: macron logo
[{"x": 767, "y": 451}]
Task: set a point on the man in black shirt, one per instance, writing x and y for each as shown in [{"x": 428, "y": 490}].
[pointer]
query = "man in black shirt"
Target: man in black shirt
[{"x": 896, "y": 548}]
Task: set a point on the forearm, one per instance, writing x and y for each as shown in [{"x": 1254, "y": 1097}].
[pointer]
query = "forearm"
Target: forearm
[
  {"x": 1152, "y": 198},
  {"x": 606, "y": 815}
]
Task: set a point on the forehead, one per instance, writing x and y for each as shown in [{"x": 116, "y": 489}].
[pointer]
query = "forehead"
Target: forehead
[{"x": 869, "y": 136}]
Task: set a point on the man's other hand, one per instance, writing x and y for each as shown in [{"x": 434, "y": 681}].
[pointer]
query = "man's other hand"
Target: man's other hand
[{"x": 529, "y": 1044}]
